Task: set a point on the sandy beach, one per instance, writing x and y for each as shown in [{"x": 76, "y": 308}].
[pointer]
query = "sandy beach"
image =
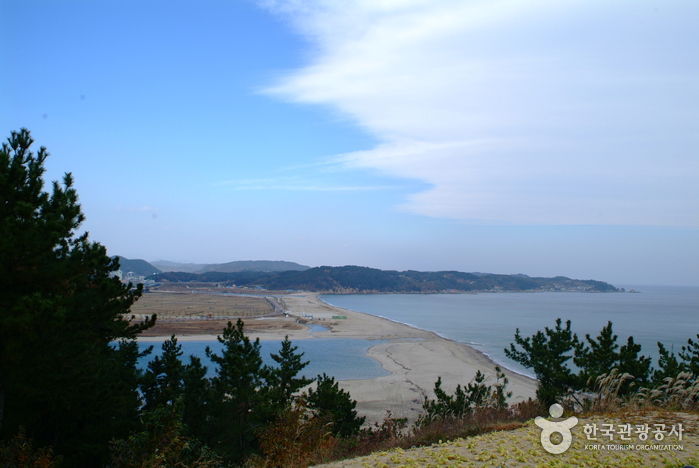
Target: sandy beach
[{"x": 415, "y": 358}]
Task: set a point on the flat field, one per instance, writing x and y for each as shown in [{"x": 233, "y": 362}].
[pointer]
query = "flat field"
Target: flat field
[{"x": 197, "y": 305}]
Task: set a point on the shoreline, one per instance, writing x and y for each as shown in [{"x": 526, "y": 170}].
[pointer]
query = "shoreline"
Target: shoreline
[
  {"x": 414, "y": 357},
  {"x": 486, "y": 355}
]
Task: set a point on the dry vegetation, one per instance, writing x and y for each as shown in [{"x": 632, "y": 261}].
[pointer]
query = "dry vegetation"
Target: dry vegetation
[
  {"x": 199, "y": 305},
  {"x": 205, "y": 311},
  {"x": 522, "y": 448},
  {"x": 491, "y": 437}
]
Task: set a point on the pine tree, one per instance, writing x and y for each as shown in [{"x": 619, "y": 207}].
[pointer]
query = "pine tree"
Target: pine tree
[
  {"x": 598, "y": 357},
  {"x": 632, "y": 363},
  {"x": 547, "y": 353},
  {"x": 329, "y": 401},
  {"x": 61, "y": 378},
  {"x": 238, "y": 408},
  {"x": 283, "y": 380},
  {"x": 690, "y": 357},
  {"x": 163, "y": 382},
  {"x": 668, "y": 365},
  {"x": 196, "y": 398},
  {"x": 604, "y": 354},
  {"x": 474, "y": 396}
]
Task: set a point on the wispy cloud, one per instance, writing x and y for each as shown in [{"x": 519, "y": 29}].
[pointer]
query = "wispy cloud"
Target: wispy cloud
[{"x": 527, "y": 112}]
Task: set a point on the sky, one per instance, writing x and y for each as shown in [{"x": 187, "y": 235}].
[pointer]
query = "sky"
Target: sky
[{"x": 537, "y": 137}]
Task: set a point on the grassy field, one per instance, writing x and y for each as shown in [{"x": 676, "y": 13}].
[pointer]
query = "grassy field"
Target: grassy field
[
  {"x": 178, "y": 305},
  {"x": 522, "y": 448}
]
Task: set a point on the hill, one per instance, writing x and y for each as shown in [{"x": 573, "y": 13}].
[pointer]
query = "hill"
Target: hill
[
  {"x": 137, "y": 267},
  {"x": 356, "y": 279},
  {"x": 244, "y": 265},
  {"x": 253, "y": 265},
  {"x": 166, "y": 266}
]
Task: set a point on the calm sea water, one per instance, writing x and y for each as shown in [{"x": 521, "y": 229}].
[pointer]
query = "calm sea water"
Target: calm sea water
[
  {"x": 488, "y": 321},
  {"x": 344, "y": 359}
]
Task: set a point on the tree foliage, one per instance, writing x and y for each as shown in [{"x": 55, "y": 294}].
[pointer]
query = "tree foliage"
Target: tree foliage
[
  {"x": 61, "y": 378},
  {"x": 474, "y": 396},
  {"x": 162, "y": 442},
  {"x": 670, "y": 365},
  {"x": 283, "y": 379},
  {"x": 163, "y": 382},
  {"x": 599, "y": 356},
  {"x": 238, "y": 407},
  {"x": 19, "y": 452},
  {"x": 547, "y": 353},
  {"x": 690, "y": 357},
  {"x": 329, "y": 401}
]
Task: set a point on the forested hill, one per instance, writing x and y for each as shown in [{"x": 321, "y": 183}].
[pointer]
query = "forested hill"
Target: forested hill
[
  {"x": 137, "y": 267},
  {"x": 355, "y": 279}
]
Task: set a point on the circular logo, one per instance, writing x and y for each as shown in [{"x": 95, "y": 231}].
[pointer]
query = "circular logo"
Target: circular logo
[{"x": 548, "y": 428}]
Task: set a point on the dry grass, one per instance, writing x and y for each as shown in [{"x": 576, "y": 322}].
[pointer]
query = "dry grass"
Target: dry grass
[
  {"x": 522, "y": 448},
  {"x": 508, "y": 437},
  {"x": 199, "y": 305},
  {"x": 674, "y": 394}
]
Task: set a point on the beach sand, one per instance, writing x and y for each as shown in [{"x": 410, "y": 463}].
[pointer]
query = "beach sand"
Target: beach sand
[{"x": 415, "y": 358}]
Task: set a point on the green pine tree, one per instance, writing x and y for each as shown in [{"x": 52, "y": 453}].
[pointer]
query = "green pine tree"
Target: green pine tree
[
  {"x": 668, "y": 365},
  {"x": 599, "y": 356},
  {"x": 196, "y": 397},
  {"x": 547, "y": 353},
  {"x": 329, "y": 401},
  {"x": 283, "y": 379},
  {"x": 634, "y": 364},
  {"x": 61, "y": 378},
  {"x": 163, "y": 382},
  {"x": 690, "y": 357},
  {"x": 238, "y": 408},
  {"x": 475, "y": 395},
  {"x": 603, "y": 354}
]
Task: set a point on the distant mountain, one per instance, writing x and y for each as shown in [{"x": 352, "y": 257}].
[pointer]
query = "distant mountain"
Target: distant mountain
[
  {"x": 355, "y": 279},
  {"x": 166, "y": 266},
  {"x": 245, "y": 265},
  {"x": 137, "y": 267},
  {"x": 253, "y": 265}
]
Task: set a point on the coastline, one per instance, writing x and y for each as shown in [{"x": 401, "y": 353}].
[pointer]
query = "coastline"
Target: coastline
[
  {"x": 486, "y": 355},
  {"x": 414, "y": 357}
]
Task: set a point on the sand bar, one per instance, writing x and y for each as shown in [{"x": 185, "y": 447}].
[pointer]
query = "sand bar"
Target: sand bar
[{"x": 415, "y": 358}]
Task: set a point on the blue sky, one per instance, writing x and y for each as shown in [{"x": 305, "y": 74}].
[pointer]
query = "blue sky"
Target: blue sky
[{"x": 538, "y": 137}]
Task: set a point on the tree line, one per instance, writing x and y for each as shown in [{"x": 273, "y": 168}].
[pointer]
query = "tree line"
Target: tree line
[
  {"x": 550, "y": 353},
  {"x": 224, "y": 417}
]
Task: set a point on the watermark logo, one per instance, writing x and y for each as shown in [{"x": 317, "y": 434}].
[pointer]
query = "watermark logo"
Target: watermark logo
[{"x": 549, "y": 428}]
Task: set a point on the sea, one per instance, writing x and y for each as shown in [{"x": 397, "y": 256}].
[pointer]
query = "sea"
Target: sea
[{"x": 488, "y": 322}]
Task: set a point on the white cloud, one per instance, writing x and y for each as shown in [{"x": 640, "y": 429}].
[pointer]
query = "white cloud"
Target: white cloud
[{"x": 526, "y": 112}]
